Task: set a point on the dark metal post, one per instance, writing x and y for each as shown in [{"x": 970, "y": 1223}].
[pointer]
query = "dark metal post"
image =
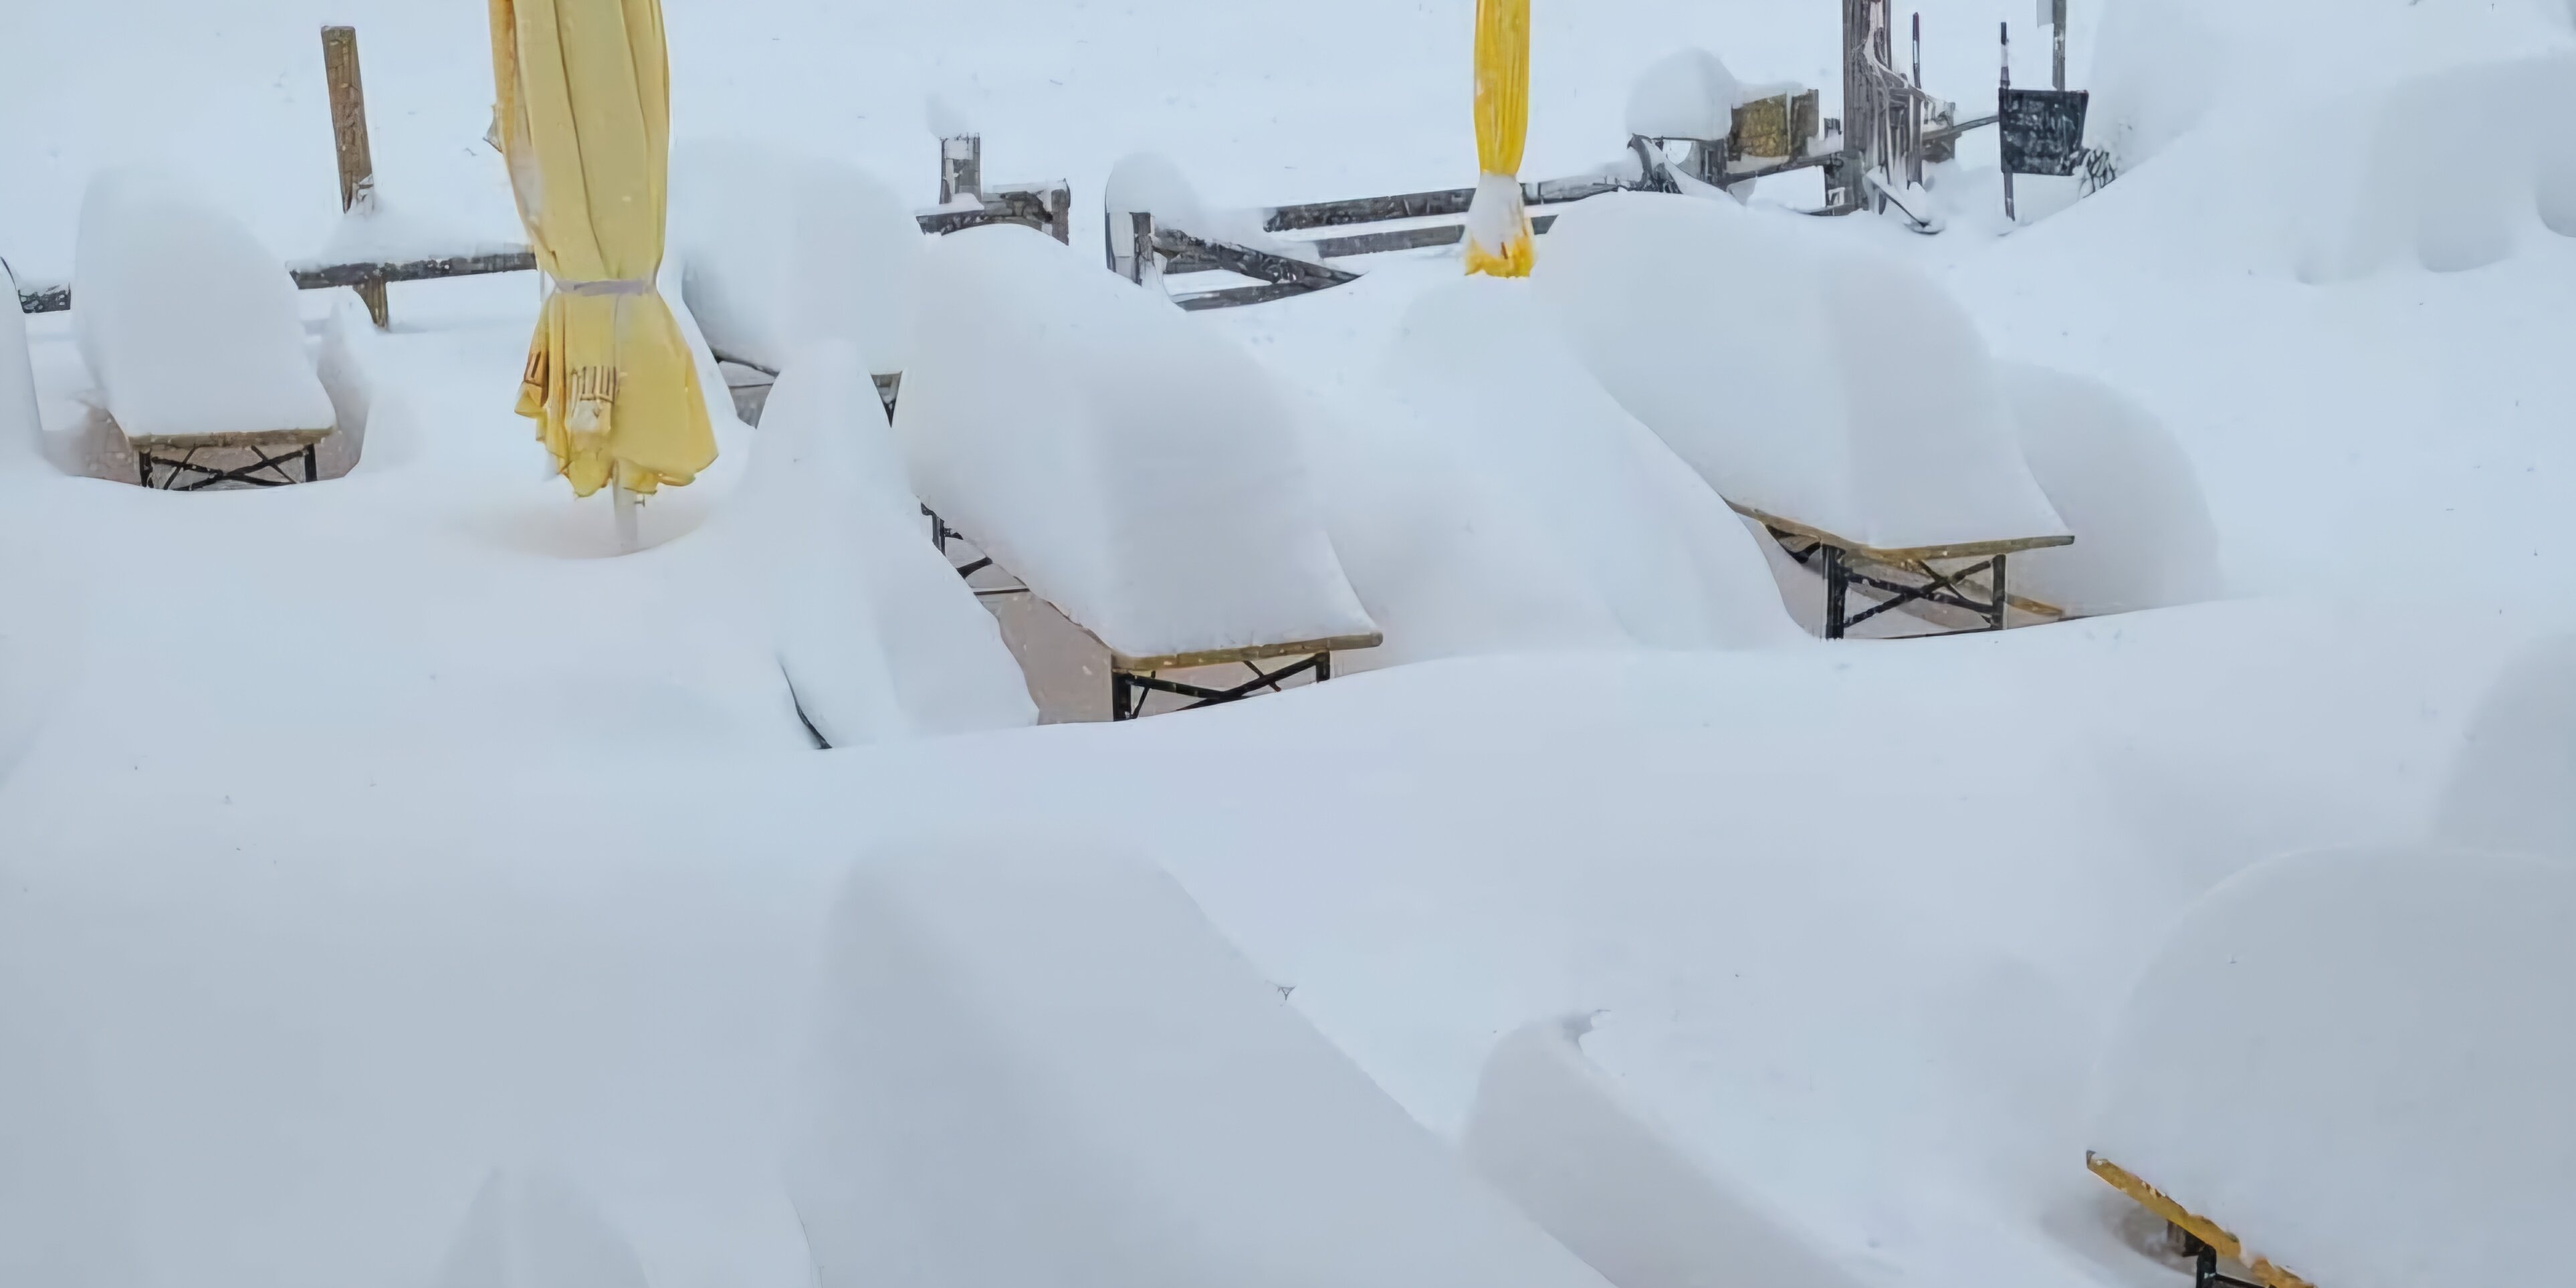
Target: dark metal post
[
  {"x": 312, "y": 465},
  {"x": 2057, "y": 23},
  {"x": 1837, "y": 584},
  {"x": 2001, "y": 124},
  {"x": 1323, "y": 668},
  {"x": 2003, "y": 598},
  {"x": 1918, "y": 49}
]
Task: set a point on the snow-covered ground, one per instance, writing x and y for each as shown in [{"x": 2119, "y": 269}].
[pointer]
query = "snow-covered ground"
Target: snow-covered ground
[{"x": 358, "y": 840}]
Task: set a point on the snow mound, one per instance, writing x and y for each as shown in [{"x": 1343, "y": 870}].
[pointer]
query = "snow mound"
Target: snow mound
[
  {"x": 1152, "y": 183},
  {"x": 2409, "y": 186},
  {"x": 1550, "y": 1131},
  {"x": 538, "y": 1230},
  {"x": 1838, "y": 390},
  {"x": 878, "y": 635},
  {"x": 2164, "y": 68},
  {"x": 1050, "y": 1069},
  {"x": 1688, "y": 94},
  {"x": 21, "y": 431},
  {"x": 1139, "y": 471},
  {"x": 188, "y": 324},
  {"x": 2514, "y": 784},
  {"x": 784, "y": 250},
  {"x": 2358, "y": 1064},
  {"x": 2143, "y": 534},
  {"x": 1499, "y": 415}
]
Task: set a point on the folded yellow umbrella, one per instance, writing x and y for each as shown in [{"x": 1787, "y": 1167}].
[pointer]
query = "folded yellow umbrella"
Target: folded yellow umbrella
[
  {"x": 1499, "y": 240},
  {"x": 584, "y": 118}
]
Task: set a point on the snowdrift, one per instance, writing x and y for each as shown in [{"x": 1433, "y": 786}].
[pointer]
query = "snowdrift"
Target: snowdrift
[
  {"x": 783, "y": 251},
  {"x": 2514, "y": 784},
  {"x": 21, "y": 432},
  {"x": 2143, "y": 535},
  {"x": 1140, "y": 472},
  {"x": 1554, "y": 1136},
  {"x": 188, "y": 324},
  {"x": 1839, "y": 390},
  {"x": 1688, "y": 94},
  {"x": 1050, "y": 1069},
  {"x": 1502, "y": 500},
  {"x": 879, "y": 637},
  {"x": 2358, "y": 1064},
  {"x": 536, "y": 1229}
]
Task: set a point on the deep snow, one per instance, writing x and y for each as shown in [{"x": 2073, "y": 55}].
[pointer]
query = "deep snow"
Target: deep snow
[{"x": 358, "y": 841}]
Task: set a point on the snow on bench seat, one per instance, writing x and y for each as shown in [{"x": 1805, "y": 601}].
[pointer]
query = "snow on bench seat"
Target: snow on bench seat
[
  {"x": 1135, "y": 469},
  {"x": 1040, "y": 1066},
  {"x": 1499, "y": 500},
  {"x": 1552, "y": 1132},
  {"x": 190, "y": 327},
  {"x": 783, "y": 251},
  {"x": 1842, "y": 391},
  {"x": 2358, "y": 1064}
]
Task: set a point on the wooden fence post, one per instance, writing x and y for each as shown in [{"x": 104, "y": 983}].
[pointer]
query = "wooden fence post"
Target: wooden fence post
[{"x": 349, "y": 136}]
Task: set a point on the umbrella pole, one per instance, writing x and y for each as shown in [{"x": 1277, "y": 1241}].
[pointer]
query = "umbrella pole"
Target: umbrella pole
[{"x": 628, "y": 541}]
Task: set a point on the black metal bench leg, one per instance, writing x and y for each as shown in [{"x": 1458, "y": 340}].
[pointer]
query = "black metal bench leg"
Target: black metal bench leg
[
  {"x": 143, "y": 463},
  {"x": 2003, "y": 598},
  {"x": 1121, "y": 696},
  {"x": 312, "y": 465}
]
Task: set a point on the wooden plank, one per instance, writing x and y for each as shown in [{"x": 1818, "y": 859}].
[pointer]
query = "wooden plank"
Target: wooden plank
[
  {"x": 2201, "y": 1228},
  {"x": 1230, "y": 656},
  {"x": 1428, "y": 205},
  {"x": 1904, "y": 554},
  {"x": 231, "y": 438},
  {"x": 320, "y": 277},
  {"x": 1190, "y": 254},
  {"x": 349, "y": 139},
  {"x": 1408, "y": 239}
]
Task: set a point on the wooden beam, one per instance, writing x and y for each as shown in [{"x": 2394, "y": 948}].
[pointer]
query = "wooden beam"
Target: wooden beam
[
  {"x": 349, "y": 137},
  {"x": 1190, "y": 254},
  {"x": 1428, "y": 205}
]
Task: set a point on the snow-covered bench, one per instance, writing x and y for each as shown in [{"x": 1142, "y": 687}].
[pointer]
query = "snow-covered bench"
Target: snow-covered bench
[
  {"x": 1136, "y": 471},
  {"x": 193, "y": 333},
  {"x": 1841, "y": 401},
  {"x": 2352, "y": 1069}
]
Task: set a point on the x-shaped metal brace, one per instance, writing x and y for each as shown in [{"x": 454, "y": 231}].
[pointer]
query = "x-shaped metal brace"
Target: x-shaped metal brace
[
  {"x": 1128, "y": 689},
  {"x": 248, "y": 475}
]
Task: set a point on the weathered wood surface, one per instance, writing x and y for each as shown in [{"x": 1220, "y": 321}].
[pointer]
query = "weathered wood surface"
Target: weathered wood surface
[
  {"x": 1428, "y": 205},
  {"x": 1904, "y": 554},
  {"x": 259, "y": 438},
  {"x": 1190, "y": 253},
  {"x": 1235, "y": 297},
  {"x": 1407, "y": 239},
  {"x": 1047, "y": 209},
  {"x": 2207, "y": 1231},
  {"x": 349, "y": 139},
  {"x": 1230, "y": 656}
]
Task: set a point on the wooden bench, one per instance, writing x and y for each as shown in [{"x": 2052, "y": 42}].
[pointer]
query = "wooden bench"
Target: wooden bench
[
  {"x": 1931, "y": 575},
  {"x": 2193, "y": 1235},
  {"x": 1133, "y": 679},
  {"x": 272, "y": 451}
]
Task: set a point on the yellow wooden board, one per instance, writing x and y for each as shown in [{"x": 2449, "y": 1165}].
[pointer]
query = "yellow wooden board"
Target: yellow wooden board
[{"x": 2202, "y": 1228}]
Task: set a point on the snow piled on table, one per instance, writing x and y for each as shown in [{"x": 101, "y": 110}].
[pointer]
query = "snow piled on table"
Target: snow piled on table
[
  {"x": 2358, "y": 1064},
  {"x": 783, "y": 250},
  {"x": 1554, "y": 1135},
  {"x": 1151, "y": 183},
  {"x": 1138, "y": 471},
  {"x": 1502, "y": 500},
  {"x": 2143, "y": 536},
  {"x": 187, "y": 323},
  {"x": 2514, "y": 785},
  {"x": 1832, "y": 388},
  {"x": 1033, "y": 1063},
  {"x": 1688, "y": 94},
  {"x": 878, "y": 636}
]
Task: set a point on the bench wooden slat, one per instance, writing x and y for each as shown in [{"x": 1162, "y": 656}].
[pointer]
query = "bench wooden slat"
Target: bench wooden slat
[
  {"x": 1904, "y": 554},
  {"x": 2201, "y": 1228}
]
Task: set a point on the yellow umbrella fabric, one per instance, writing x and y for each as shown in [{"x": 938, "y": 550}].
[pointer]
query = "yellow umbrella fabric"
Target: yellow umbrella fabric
[
  {"x": 584, "y": 118},
  {"x": 1499, "y": 240}
]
